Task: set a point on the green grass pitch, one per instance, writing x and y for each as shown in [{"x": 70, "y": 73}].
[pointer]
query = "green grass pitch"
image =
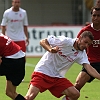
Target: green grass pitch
[{"x": 91, "y": 91}]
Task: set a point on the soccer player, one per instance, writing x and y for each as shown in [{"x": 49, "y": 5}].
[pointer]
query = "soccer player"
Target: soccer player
[
  {"x": 93, "y": 51},
  {"x": 62, "y": 53},
  {"x": 12, "y": 66},
  {"x": 14, "y": 24}
]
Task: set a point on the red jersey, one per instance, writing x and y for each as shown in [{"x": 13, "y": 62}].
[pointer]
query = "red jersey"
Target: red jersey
[
  {"x": 7, "y": 46},
  {"x": 93, "y": 51}
]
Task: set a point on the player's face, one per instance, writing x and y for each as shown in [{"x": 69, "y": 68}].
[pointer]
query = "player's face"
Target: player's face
[
  {"x": 83, "y": 43},
  {"x": 96, "y": 17},
  {"x": 16, "y": 4},
  {"x": 98, "y": 3}
]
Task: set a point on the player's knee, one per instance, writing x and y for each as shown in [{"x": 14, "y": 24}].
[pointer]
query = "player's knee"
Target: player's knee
[
  {"x": 30, "y": 97},
  {"x": 8, "y": 93},
  {"x": 77, "y": 86},
  {"x": 75, "y": 95}
]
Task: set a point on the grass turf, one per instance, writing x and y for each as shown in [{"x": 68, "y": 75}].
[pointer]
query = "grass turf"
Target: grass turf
[{"x": 91, "y": 91}]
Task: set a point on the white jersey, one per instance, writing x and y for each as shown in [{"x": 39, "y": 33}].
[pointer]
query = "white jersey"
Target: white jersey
[
  {"x": 15, "y": 22},
  {"x": 57, "y": 64}
]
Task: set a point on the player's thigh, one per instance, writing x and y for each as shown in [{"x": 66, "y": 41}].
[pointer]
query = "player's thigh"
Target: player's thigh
[
  {"x": 82, "y": 78},
  {"x": 15, "y": 70},
  {"x": 59, "y": 86}
]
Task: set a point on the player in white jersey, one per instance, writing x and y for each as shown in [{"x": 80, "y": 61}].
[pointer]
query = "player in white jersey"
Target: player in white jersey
[
  {"x": 61, "y": 53},
  {"x": 14, "y": 24}
]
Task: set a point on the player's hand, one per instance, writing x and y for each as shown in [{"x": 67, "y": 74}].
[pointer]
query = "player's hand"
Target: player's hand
[
  {"x": 54, "y": 49},
  {"x": 27, "y": 42},
  {"x": 0, "y": 61}
]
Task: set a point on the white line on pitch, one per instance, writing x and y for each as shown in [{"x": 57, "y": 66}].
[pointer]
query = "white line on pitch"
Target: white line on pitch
[{"x": 30, "y": 65}]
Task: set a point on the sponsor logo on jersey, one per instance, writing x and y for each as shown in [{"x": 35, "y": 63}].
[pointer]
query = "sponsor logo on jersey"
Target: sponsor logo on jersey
[{"x": 96, "y": 43}]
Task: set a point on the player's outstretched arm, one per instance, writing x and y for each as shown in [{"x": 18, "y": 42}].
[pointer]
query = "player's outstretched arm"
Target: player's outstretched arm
[{"x": 91, "y": 71}]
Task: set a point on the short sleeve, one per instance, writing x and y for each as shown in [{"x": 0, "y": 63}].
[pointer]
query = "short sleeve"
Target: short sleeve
[
  {"x": 25, "y": 19},
  {"x": 60, "y": 41},
  {"x": 51, "y": 39},
  {"x": 55, "y": 41},
  {"x": 83, "y": 58},
  {"x": 4, "y": 20}
]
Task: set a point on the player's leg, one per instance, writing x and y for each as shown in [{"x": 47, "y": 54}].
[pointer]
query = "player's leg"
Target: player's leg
[
  {"x": 22, "y": 44},
  {"x": 11, "y": 92},
  {"x": 32, "y": 92},
  {"x": 81, "y": 79},
  {"x": 37, "y": 84},
  {"x": 65, "y": 98},
  {"x": 71, "y": 93},
  {"x": 63, "y": 86},
  {"x": 15, "y": 71}
]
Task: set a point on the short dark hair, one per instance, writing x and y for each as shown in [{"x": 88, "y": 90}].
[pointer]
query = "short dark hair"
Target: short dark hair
[
  {"x": 87, "y": 34},
  {"x": 97, "y": 8}
]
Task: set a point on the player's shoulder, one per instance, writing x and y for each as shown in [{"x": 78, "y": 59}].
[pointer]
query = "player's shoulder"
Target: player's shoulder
[
  {"x": 63, "y": 38},
  {"x": 8, "y": 10},
  {"x": 22, "y": 10},
  {"x": 87, "y": 27},
  {"x": 67, "y": 40}
]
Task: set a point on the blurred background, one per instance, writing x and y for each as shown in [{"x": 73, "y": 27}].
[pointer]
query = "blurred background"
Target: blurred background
[
  {"x": 51, "y": 12},
  {"x": 56, "y": 17}
]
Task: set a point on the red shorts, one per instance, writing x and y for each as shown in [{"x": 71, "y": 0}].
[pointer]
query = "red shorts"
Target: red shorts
[
  {"x": 55, "y": 85},
  {"x": 22, "y": 44}
]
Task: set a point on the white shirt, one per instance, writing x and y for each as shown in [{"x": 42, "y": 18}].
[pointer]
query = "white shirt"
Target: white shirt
[
  {"x": 17, "y": 55},
  {"x": 15, "y": 22},
  {"x": 57, "y": 64}
]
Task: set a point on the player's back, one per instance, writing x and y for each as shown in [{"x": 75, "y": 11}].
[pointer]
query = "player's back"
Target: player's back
[{"x": 7, "y": 46}]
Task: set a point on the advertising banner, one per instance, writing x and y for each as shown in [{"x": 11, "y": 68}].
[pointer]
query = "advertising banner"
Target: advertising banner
[{"x": 38, "y": 33}]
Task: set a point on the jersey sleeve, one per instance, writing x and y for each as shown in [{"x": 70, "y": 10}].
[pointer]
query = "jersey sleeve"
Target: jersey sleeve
[
  {"x": 83, "y": 58},
  {"x": 25, "y": 19},
  {"x": 56, "y": 41},
  {"x": 4, "y": 19},
  {"x": 86, "y": 28}
]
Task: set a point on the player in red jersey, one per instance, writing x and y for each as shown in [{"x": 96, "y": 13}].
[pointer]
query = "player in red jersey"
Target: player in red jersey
[
  {"x": 93, "y": 51},
  {"x": 12, "y": 66}
]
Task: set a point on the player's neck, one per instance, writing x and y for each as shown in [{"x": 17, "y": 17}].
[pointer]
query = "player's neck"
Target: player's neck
[
  {"x": 75, "y": 44},
  {"x": 15, "y": 9},
  {"x": 96, "y": 27}
]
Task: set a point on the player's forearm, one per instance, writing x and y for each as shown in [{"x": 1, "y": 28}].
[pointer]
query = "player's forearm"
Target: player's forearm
[
  {"x": 44, "y": 43},
  {"x": 92, "y": 72},
  {"x": 26, "y": 32},
  {"x": 3, "y": 28}
]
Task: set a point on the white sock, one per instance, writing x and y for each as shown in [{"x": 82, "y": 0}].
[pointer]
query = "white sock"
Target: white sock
[{"x": 64, "y": 98}]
